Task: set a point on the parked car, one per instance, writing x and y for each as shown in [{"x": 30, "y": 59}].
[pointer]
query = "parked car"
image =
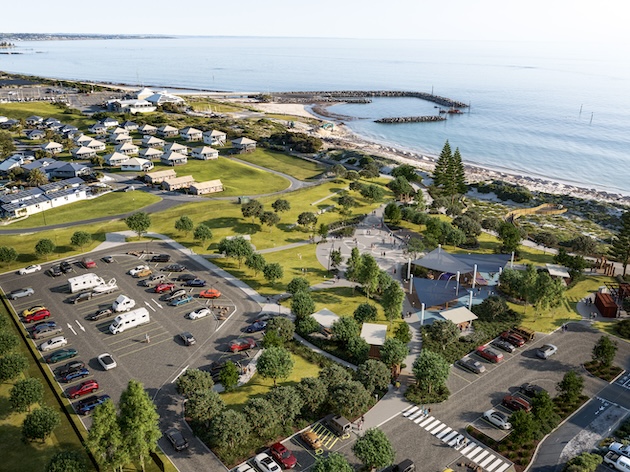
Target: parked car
[
  {"x": 498, "y": 419},
  {"x": 66, "y": 267},
  {"x": 45, "y": 331},
  {"x": 242, "y": 344},
  {"x": 143, "y": 273},
  {"x": 531, "y": 390},
  {"x": 21, "y": 293},
  {"x": 30, "y": 269},
  {"x": 174, "y": 268},
  {"x": 164, "y": 287},
  {"x": 55, "y": 271},
  {"x": 489, "y": 354},
  {"x": 69, "y": 367},
  {"x": 60, "y": 355},
  {"x": 200, "y": 313},
  {"x": 312, "y": 439},
  {"x": 282, "y": 455},
  {"x": 53, "y": 343},
  {"x": 265, "y": 463},
  {"x": 245, "y": 468},
  {"x": 100, "y": 314},
  {"x": 405, "y": 466},
  {"x": 37, "y": 316},
  {"x": 546, "y": 351},
  {"x": 137, "y": 269},
  {"x": 107, "y": 259},
  {"x": 256, "y": 326},
  {"x": 40, "y": 325},
  {"x": 177, "y": 439},
  {"x": 187, "y": 338},
  {"x": 175, "y": 294},
  {"x": 512, "y": 338},
  {"x": 88, "y": 263},
  {"x": 87, "y": 405},
  {"x": 515, "y": 403},
  {"x": 161, "y": 258},
  {"x": 472, "y": 365},
  {"x": 196, "y": 283},
  {"x": 181, "y": 301},
  {"x": 77, "y": 374},
  {"x": 186, "y": 277},
  {"x": 107, "y": 361},
  {"x": 33, "y": 309},
  {"x": 80, "y": 297},
  {"x": 210, "y": 293},
  {"x": 503, "y": 344},
  {"x": 85, "y": 387}
]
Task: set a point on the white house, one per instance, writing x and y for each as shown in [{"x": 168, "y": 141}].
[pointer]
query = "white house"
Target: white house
[
  {"x": 191, "y": 134},
  {"x": 162, "y": 97},
  {"x": 132, "y": 106},
  {"x": 151, "y": 153},
  {"x": 96, "y": 145},
  {"x": 83, "y": 152},
  {"x": 115, "y": 159},
  {"x": 178, "y": 183},
  {"x": 130, "y": 126},
  {"x": 152, "y": 141},
  {"x": 136, "y": 164},
  {"x": 119, "y": 130},
  {"x": 110, "y": 122},
  {"x": 167, "y": 131},
  {"x": 244, "y": 144},
  {"x": 83, "y": 139},
  {"x": 35, "y": 134},
  {"x": 52, "y": 148},
  {"x": 172, "y": 158},
  {"x": 34, "y": 120},
  {"x": 143, "y": 93},
  {"x": 98, "y": 129},
  {"x": 160, "y": 176},
  {"x": 209, "y": 186},
  {"x": 11, "y": 162},
  {"x": 176, "y": 147},
  {"x": 205, "y": 153},
  {"x": 119, "y": 138},
  {"x": 214, "y": 137},
  {"x": 68, "y": 170},
  {"x": 128, "y": 149},
  {"x": 147, "y": 129}
]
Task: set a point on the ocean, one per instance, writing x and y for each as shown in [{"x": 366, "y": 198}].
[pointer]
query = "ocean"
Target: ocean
[{"x": 553, "y": 110}]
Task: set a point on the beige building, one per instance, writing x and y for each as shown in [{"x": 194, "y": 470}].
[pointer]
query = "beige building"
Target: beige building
[
  {"x": 210, "y": 186},
  {"x": 160, "y": 176},
  {"x": 178, "y": 183}
]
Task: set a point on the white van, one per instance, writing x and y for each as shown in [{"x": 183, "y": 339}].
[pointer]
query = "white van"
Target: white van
[
  {"x": 129, "y": 320},
  {"x": 123, "y": 303},
  {"x": 84, "y": 282}
]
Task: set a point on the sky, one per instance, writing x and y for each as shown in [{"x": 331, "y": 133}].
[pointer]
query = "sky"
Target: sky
[{"x": 498, "y": 20}]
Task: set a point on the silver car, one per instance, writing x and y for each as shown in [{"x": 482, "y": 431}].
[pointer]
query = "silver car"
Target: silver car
[
  {"x": 498, "y": 419},
  {"x": 546, "y": 351},
  {"x": 21, "y": 292},
  {"x": 46, "y": 331},
  {"x": 54, "y": 343}
]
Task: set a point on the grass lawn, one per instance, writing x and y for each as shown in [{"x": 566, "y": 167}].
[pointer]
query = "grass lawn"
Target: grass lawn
[
  {"x": 45, "y": 110},
  {"x": 110, "y": 204},
  {"x": 294, "y": 166},
  {"x": 259, "y": 386}
]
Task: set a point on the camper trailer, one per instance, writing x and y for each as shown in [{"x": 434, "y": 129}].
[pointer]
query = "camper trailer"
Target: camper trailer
[
  {"x": 123, "y": 303},
  {"x": 129, "y": 320},
  {"x": 84, "y": 282}
]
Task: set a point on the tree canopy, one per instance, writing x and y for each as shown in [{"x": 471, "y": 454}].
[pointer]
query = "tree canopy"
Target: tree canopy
[
  {"x": 620, "y": 247},
  {"x": 275, "y": 363},
  {"x": 139, "y": 223},
  {"x": 374, "y": 449}
]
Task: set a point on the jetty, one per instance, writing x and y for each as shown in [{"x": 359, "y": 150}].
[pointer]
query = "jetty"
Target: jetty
[
  {"x": 411, "y": 119},
  {"x": 347, "y": 95}
]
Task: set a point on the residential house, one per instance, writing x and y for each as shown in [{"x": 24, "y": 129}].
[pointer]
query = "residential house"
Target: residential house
[
  {"x": 147, "y": 129},
  {"x": 98, "y": 129},
  {"x": 152, "y": 141},
  {"x": 35, "y": 200},
  {"x": 83, "y": 152},
  {"x": 214, "y": 137},
  {"x": 143, "y": 93},
  {"x": 244, "y": 144},
  {"x": 130, "y": 126},
  {"x": 96, "y": 145},
  {"x": 68, "y": 129},
  {"x": 128, "y": 149},
  {"x": 34, "y": 120},
  {"x": 83, "y": 139},
  {"x": 3, "y": 119},
  {"x": 136, "y": 164},
  {"x": 205, "y": 153},
  {"x": 132, "y": 106},
  {"x": 172, "y": 158},
  {"x": 119, "y": 130},
  {"x": 35, "y": 134},
  {"x": 160, "y": 176},
  {"x": 38, "y": 164},
  {"x": 191, "y": 134},
  {"x": 110, "y": 122},
  {"x": 52, "y": 124},
  {"x": 70, "y": 169},
  {"x": 119, "y": 138},
  {"x": 167, "y": 131},
  {"x": 10, "y": 123},
  {"x": 176, "y": 147},
  {"x": 209, "y": 186},
  {"x": 115, "y": 159},
  {"x": 151, "y": 153},
  {"x": 178, "y": 183},
  {"x": 11, "y": 162},
  {"x": 52, "y": 148}
]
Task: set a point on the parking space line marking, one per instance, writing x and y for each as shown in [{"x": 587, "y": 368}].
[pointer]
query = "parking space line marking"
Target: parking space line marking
[
  {"x": 443, "y": 433},
  {"x": 438, "y": 428},
  {"x": 503, "y": 467},
  {"x": 142, "y": 348},
  {"x": 487, "y": 460},
  {"x": 410, "y": 411},
  {"x": 481, "y": 455}
]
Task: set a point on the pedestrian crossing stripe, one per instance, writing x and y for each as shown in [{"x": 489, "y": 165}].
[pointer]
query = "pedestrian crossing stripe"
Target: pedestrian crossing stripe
[{"x": 484, "y": 458}]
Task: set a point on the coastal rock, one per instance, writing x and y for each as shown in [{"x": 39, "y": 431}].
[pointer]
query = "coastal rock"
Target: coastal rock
[{"x": 411, "y": 119}]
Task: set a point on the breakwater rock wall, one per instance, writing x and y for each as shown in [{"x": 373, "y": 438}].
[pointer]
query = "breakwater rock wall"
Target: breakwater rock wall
[
  {"x": 411, "y": 119},
  {"x": 302, "y": 97}
]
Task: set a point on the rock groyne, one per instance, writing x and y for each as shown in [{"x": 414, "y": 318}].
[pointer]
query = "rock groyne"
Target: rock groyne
[
  {"x": 335, "y": 95},
  {"x": 411, "y": 119}
]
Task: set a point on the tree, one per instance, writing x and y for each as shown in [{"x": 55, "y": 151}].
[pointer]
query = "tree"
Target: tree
[
  {"x": 443, "y": 333},
  {"x": 26, "y": 392},
  {"x": 346, "y": 202},
  {"x": 283, "y": 327},
  {"x": 470, "y": 227},
  {"x": 273, "y": 272},
  {"x": 256, "y": 262},
  {"x": 286, "y": 402},
  {"x": 12, "y": 365},
  {"x": 546, "y": 239},
  {"x": 313, "y": 392},
  {"x": 139, "y": 223},
  {"x": 67, "y": 461},
  {"x": 307, "y": 219},
  {"x": 204, "y": 405},
  {"x": 8, "y": 342},
  {"x": 431, "y": 371},
  {"x": 306, "y": 325},
  {"x": 440, "y": 172},
  {"x": 37, "y": 177},
  {"x": 194, "y": 380},
  {"x": 184, "y": 224},
  {"x": 407, "y": 171},
  {"x": 585, "y": 462},
  {"x": 584, "y": 245},
  {"x": 298, "y": 284},
  {"x": 281, "y": 205},
  {"x": 322, "y": 231},
  {"x": 392, "y": 301},
  {"x": 334, "y": 462},
  {"x": 524, "y": 427},
  {"x": 393, "y": 352},
  {"x": 570, "y": 387},
  {"x": 374, "y": 449},
  {"x": 604, "y": 351},
  {"x": 354, "y": 265},
  {"x": 238, "y": 248},
  {"x": 414, "y": 247},
  {"x": 403, "y": 333},
  {"x": 252, "y": 209},
  {"x": 374, "y": 375},
  {"x": 402, "y": 189},
  {"x": 365, "y": 312},
  {"x": 335, "y": 258},
  {"x": 339, "y": 170},
  {"x": 97, "y": 161},
  {"x": 271, "y": 339},
  {"x": 40, "y": 423},
  {"x": 262, "y": 416},
  {"x": 345, "y": 328},
  {"x": 620, "y": 247},
  {"x": 373, "y": 193},
  {"x": 269, "y": 218},
  {"x": 239, "y": 428},
  {"x": 333, "y": 375},
  {"x": 7, "y": 254},
  {"x": 81, "y": 239},
  {"x": 368, "y": 273},
  {"x": 44, "y": 247},
  {"x": 543, "y": 411},
  {"x": 7, "y": 146},
  {"x": 302, "y": 304},
  {"x": 393, "y": 213},
  {"x": 228, "y": 376},
  {"x": 510, "y": 237},
  {"x": 457, "y": 179},
  {"x": 139, "y": 421},
  {"x": 202, "y": 233},
  {"x": 349, "y": 399},
  {"x": 105, "y": 438},
  {"x": 359, "y": 349},
  {"x": 275, "y": 363}
]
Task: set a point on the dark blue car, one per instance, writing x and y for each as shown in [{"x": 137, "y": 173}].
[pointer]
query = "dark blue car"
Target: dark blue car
[
  {"x": 85, "y": 406},
  {"x": 196, "y": 283},
  {"x": 257, "y": 326},
  {"x": 77, "y": 374}
]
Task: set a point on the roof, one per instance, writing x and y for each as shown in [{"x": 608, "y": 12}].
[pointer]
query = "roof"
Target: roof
[
  {"x": 435, "y": 292},
  {"x": 153, "y": 140},
  {"x": 214, "y": 133},
  {"x": 180, "y": 180},
  {"x": 374, "y": 334},
  {"x": 148, "y": 152},
  {"x": 173, "y": 156},
  {"x": 136, "y": 161},
  {"x": 558, "y": 271},
  {"x": 208, "y": 184},
  {"x": 45, "y": 162},
  {"x": 82, "y": 150},
  {"x": 205, "y": 150},
  {"x": 116, "y": 156},
  {"x": 174, "y": 147},
  {"x": 243, "y": 141},
  {"x": 61, "y": 184},
  {"x": 442, "y": 261},
  {"x": 52, "y": 145},
  {"x": 147, "y": 127},
  {"x": 124, "y": 146},
  {"x": 458, "y": 315},
  {"x": 190, "y": 130},
  {"x": 167, "y": 128},
  {"x": 325, "y": 317},
  {"x": 161, "y": 173}
]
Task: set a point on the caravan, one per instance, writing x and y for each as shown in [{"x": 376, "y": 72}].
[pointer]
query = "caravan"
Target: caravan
[
  {"x": 129, "y": 320},
  {"x": 84, "y": 282}
]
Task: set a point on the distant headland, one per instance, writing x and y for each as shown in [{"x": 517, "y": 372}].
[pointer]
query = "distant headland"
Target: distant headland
[{"x": 74, "y": 36}]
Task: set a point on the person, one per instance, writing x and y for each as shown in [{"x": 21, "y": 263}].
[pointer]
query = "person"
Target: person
[{"x": 147, "y": 339}]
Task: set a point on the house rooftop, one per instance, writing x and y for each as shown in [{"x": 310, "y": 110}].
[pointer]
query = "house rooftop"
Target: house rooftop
[{"x": 374, "y": 334}]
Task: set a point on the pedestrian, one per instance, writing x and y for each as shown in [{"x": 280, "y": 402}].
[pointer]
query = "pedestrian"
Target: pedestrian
[{"x": 147, "y": 339}]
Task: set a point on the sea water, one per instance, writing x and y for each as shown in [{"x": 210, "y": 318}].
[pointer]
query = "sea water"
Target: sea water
[{"x": 554, "y": 110}]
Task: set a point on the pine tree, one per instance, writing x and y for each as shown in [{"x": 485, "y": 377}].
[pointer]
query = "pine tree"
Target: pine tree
[
  {"x": 456, "y": 171},
  {"x": 620, "y": 248},
  {"x": 440, "y": 173}
]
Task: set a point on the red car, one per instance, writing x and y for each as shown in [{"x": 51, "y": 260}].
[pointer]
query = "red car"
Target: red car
[
  {"x": 242, "y": 344},
  {"x": 37, "y": 316},
  {"x": 513, "y": 338},
  {"x": 516, "y": 403},
  {"x": 210, "y": 293},
  {"x": 88, "y": 263},
  {"x": 89, "y": 386},
  {"x": 161, "y": 288},
  {"x": 282, "y": 455},
  {"x": 489, "y": 354}
]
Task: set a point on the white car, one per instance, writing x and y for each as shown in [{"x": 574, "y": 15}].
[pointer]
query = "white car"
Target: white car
[
  {"x": 30, "y": 269},
  {"x": 137, "y": 269},
  {"x": 107, "y": 361},
  {"x": 53, "y": 343},
  {"x": 546, "y": 351},
  {"x": 245, "y": 468},
  {"x": 498, "y": 419},
  {"x": 200, "y": 313},
  {"x": 266, "y": 463}
]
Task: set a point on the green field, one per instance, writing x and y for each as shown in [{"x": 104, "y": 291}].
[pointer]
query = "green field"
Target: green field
[
  {"x": 19, "y": 111},
  {"x": 299, "y": 168}
]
